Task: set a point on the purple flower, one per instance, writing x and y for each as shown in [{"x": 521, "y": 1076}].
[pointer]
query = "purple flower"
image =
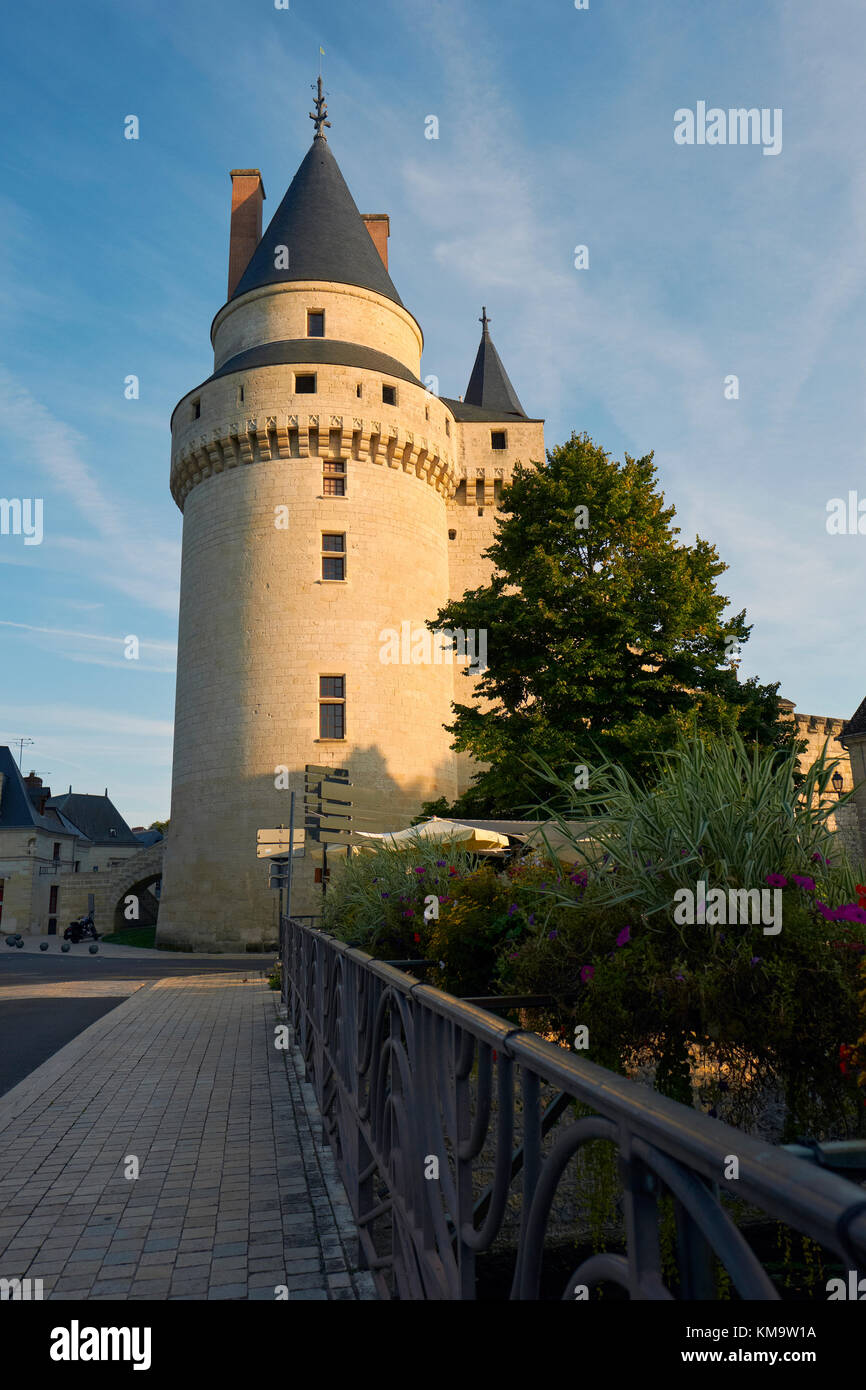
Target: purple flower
[
  {"x": 531, "y": 920},
  {"x": 384, "y": 895},
  {"x": 552, "y": 935},
  {"x": 587, "y": 973},
  {"x": 679, "y": 977},
  {"x": 441, "y": 863},
  {"x": 819, "y": 858},
  {"x": 803, "y": 881},
  {"x": 756, "y": 960},
  {"x": 513, "y": 955},
  {"x": 408, "y": 912},
  {"x": 776, "y": 880},
  {"x": 849, "y": 912},
  {"x": 624, "y": 936},
  {"x": 420, "y": 871},
  {"x": 512, "y": 909}
]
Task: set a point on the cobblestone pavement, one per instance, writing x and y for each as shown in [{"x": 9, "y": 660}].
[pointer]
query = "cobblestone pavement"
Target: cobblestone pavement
[{"x": 236, "y": 1194}]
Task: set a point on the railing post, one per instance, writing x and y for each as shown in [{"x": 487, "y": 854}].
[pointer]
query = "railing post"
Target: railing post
[{"x": 695, "y": 1258}]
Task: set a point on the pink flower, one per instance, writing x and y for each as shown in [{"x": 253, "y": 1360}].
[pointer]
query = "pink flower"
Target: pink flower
[
  {"x": 587, "y": 973},
  {"x": 803, "y": 881},
  {"x": 624, "y": 936},
  {"x": 776, "y": 880}
]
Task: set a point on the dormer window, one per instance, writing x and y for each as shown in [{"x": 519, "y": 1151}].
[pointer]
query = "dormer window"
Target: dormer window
[{"x": 315, "y": 323}]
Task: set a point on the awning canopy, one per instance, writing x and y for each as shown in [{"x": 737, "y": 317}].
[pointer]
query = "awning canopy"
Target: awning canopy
[{"x": 439, "y": 831}]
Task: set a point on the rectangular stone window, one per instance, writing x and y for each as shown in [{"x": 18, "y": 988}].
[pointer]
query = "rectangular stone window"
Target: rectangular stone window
[
  {"x": 389, "y": 395},
  {"x": 334, "y": 555},
  {"x": 315, "y": 323},
  {"x": 334, "y": 477},
  {"x": 196, "y": 410},
  {"x": 498, "y": 439},
  {"x": 305, "y": 383},
  {"x": 332, "y": 706},
  {"x": 447, "y": 425}
]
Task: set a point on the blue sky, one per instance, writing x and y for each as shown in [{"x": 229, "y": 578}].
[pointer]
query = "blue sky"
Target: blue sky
[{"x": 556, "y": 130}]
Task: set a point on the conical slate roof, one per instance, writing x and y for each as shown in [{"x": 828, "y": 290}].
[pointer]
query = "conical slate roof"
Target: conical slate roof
[
  {"x": 857, "y": 723},
  {"x": 326, "y": 237},
  {"x": 489, "y": 388}
]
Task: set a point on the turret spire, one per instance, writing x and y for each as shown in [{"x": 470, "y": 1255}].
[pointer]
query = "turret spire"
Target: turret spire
[
  {"x": 489, "y": 388},
  {"x": 319, "y": 119}
]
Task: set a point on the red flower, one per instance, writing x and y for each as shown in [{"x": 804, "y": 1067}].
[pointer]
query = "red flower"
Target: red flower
[{"x": 417, "y": 937}]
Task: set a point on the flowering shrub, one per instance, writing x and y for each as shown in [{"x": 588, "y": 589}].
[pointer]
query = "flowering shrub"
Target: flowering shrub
[
  {"x": 377, "y": 900},
  {"x": 769, "y": 1009}
]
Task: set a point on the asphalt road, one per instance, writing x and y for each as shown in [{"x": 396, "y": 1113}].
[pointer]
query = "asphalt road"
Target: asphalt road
[{"x": 32, "y": 1029}]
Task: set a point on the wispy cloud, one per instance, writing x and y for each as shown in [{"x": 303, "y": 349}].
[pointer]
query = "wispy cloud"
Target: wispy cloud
[
  {"x": 143, "y": 567},
  {"x": 147, "y": 642}
]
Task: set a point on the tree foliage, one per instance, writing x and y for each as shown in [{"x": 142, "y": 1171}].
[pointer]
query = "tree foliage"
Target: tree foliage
[{"x": 606, "y": 637}]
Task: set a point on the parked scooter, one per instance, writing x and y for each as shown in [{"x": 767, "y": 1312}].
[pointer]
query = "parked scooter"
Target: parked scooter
[{"x": 82, "y": 930}]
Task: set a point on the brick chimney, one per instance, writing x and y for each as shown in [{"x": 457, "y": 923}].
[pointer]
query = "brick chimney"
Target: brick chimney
[
  {"x": 379, "y": 226},
  {"x": 248, "y": 194},
  {"x": 37, "y": 793}
]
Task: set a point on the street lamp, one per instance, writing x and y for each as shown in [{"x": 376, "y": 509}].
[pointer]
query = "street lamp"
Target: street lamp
[{"x": 837, "y": 781}]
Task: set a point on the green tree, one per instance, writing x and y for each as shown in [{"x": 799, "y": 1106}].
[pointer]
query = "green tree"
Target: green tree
[{"x": 604, "y": 632}]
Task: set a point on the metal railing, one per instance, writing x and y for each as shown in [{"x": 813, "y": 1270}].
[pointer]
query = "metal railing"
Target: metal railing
[{"x": 404, "y": 1074}]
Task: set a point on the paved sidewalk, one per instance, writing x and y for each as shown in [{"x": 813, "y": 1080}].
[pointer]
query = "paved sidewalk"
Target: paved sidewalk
[{"x": 236, "y": 1194}]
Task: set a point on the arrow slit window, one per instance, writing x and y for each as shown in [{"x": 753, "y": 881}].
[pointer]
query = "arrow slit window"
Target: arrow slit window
[{"x": 332, "y": 706}]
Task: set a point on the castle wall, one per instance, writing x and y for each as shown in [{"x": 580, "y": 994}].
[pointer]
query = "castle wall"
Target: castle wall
[
  {"x": 484, "y": 471},
  {"x": 352, "y": 315},
  {"x": 258, "y": 626}
]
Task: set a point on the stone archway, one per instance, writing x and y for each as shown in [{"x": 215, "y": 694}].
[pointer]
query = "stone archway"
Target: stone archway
[{"x": 135, "y": 878}]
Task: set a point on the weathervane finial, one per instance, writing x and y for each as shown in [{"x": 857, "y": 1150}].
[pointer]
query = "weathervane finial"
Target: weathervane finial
[
  {"x": 319, "y": 119},
  {"x": 484, "y": 320}
]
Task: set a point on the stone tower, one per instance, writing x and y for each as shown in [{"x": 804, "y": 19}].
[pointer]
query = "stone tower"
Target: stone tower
[{"x": 327, "y": 498}]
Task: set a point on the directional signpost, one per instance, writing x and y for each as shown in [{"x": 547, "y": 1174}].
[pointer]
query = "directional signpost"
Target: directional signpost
[{"x": 281, "y": 846}]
